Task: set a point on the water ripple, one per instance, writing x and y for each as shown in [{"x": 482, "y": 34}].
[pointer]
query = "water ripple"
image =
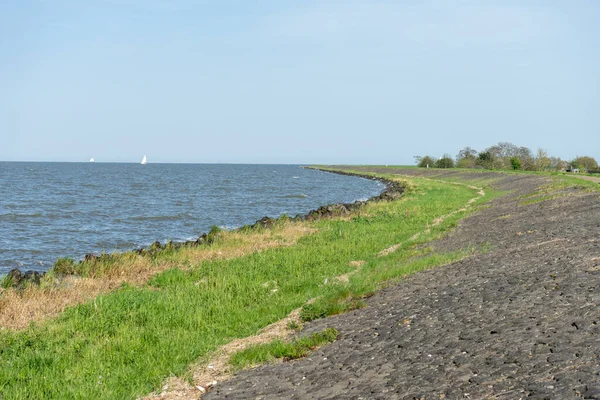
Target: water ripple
[{"x": 52, "y": 210}]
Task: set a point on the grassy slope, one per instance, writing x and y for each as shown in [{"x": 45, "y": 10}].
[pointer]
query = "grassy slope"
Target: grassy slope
[
  {"x": 124, "y": 344},
  {"x": 297, "y": 348}
]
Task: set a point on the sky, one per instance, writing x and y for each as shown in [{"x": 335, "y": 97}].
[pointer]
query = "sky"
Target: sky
[{"x": 299, "y": 82}]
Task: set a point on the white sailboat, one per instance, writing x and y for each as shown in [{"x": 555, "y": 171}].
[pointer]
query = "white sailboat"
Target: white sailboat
[
  {"x": 144, "y": 162},
  {"x": 92, "y": 159}
]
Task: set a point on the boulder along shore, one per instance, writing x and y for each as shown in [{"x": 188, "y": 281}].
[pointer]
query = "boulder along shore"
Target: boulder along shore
[{"x": 521, "y": 320}]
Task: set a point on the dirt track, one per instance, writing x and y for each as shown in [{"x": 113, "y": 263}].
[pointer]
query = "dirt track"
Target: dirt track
[{"x": 521, "y": 321}]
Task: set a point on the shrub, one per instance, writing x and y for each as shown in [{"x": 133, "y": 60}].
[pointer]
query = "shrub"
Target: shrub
[
  {"x": 277, "y": 349},
  {"x": 515, "y": 163},
  {"x": 584, "y": 162},
  {"x": 64, "y": 266},
  {"x": 445, "y": 162},
  {"x": 212, "y": 234},
  {"x": 6, "y": 282},
  {"x": 486, "y": 159},
  {"x": 426, "y": 162},
  {"x": 466, "y": 158}
]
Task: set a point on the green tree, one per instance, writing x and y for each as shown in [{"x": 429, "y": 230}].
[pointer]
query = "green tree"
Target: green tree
[
  {"x": 500, "y": 155},
  {"x": 584, "y": 162},
  {"x": 526, "y": 157},
  {"x": 515, "y": 163},
  {"x": 557, "y": 164},
  {"x": 502, "y": 152},
  {"x": 466, "y": 158},
  {"x": 426, "y": 162},
  {"x": 542, "y": 160},
  {"x": 486, "y": 159},
  {"x": 445, "y": 162}
]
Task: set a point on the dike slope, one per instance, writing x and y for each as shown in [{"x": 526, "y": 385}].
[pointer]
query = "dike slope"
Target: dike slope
[{"x": 520, "y": 321}]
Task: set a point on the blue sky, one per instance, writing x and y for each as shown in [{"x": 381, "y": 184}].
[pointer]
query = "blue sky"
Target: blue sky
[{"x": 296, "y": 81}]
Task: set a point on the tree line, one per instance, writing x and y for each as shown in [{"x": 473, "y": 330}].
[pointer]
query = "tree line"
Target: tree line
[{"x": 508, "y": 156}]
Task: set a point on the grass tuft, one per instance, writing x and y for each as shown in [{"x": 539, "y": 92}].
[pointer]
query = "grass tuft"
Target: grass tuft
[
  {"x": 277, "y": 349},
  {"x": 64, "y": 266}
]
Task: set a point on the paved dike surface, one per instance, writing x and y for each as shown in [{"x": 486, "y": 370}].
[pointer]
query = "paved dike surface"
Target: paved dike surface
[{"x": 520, "y": 321}]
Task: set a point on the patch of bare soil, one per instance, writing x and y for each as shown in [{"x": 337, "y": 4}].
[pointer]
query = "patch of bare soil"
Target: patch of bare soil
[{"x": 520, "y": 321}]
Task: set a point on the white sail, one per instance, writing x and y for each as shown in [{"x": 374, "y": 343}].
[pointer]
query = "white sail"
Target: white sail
[
  {"x": 144, "y": 162},
  {"x": 92, "y": 159}
]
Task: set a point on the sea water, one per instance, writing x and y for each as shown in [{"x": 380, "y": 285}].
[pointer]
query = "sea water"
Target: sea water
[{"x": 52, "y": 210}]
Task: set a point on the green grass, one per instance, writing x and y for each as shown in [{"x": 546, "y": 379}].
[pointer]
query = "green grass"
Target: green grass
[
  {"x": 559, "y": 186},
  {"x": 539, "y": 199},
  {"x": 262, "y": 353},
  {"x": 125, "y": 343},
  {"x": 569, "y": 182}
]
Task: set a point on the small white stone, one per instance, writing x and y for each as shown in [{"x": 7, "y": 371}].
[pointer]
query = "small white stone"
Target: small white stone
[
  {"x": 201, "y": 389},
  {"x": 211, "y": 367}
]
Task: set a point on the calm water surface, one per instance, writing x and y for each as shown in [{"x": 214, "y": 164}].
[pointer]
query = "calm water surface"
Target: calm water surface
[{"x": 52, "y": 210}]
